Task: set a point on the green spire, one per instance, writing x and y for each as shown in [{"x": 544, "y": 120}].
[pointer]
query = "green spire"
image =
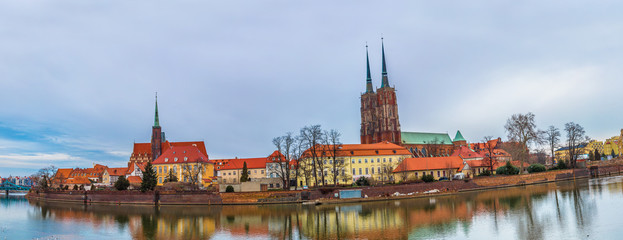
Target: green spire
[
  {"x": 458, "y": 137},
  {"x": 369, "y": 77},
  {"x": 385, "y": 81},
  {"x": 156, "y": 120}
]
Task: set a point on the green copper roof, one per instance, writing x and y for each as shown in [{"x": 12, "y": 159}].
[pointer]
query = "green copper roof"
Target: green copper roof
[
  {"x": 156, "y": 120},
  {"x": 369, "y": 77},
  {"x": 425, "y": 138},
  {"x": 384, "y": 80},
  {"x": 459, "y": 137}
]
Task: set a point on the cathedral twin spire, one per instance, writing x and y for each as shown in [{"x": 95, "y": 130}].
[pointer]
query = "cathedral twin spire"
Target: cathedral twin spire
[{"x": 384, "y": 80}]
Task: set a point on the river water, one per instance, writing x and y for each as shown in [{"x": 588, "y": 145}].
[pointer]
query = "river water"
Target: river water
[{"x": 581, "y": 209}]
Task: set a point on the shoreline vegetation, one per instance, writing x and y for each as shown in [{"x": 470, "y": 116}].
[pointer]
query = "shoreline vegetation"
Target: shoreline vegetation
[{"x": 325, "y": 195}]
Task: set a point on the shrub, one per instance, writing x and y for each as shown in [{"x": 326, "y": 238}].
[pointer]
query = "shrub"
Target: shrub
[
  {"x": 122, "y": 183},
  {"x": 363, "y": 181},
  {"x": 229, "y": 189},
  {"x": 428, "y": 178},
  {"x": 66, "y": 187},
  {"x": 485, "y": 173},
  {"x": 507, "y": 169},
  {"x": 75, "y": 187},
  {"x": 560, "y": 165},
  {"x": 325, "y": 190},
  {"x": 537, "y": 167}
]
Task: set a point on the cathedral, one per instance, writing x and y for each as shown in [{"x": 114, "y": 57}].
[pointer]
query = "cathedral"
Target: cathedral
[
  {"x": 379, "y": 110},
  {"x": 380, "y": 122}
]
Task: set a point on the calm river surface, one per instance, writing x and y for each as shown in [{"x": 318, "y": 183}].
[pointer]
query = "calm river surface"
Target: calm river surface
[{"x": 584, "y": 209}]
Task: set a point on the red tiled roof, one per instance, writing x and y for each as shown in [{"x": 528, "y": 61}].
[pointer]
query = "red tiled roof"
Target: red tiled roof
[
  {"x": 429, "y": 163},
  {"x": 78, "y": 180},
  {"x": 62, "y": 173},
  {"x": 239, "y": 162},
  {"x": 134, "y": 179},
  {"x": 276, "y": 156},
  {"x": 382, "y": 148},
  {"x": 465, "y": 152},
  {"x": 117, "y": 171},
  {"x": 145, "y": 148},
  {"x": 191, "y": 153}
]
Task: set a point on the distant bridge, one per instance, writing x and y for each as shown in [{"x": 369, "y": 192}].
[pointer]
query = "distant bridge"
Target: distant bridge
[{"x": 9, "y": 186}]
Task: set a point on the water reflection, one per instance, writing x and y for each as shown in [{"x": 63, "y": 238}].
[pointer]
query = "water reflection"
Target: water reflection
[{"x": 546, "y": 211}]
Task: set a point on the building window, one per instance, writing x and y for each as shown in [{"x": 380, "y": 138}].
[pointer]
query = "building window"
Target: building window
[
  {"x": 359, "y": 160},
  {"x": 262, "y": 171},
  {"x": 166, "y": 159},
  {"x": 372, "y": 170},
  {"x": 175, "y": 159},
  {"x": 366, "y": 170},
  {"x": 378, "y": 160},
  {"x": 234, "y": 173},
  {"x": 159, "y": 169},
  {"x": 390, "y": 159},
  {"x": 359, "y": 171},
  {"x": 416, "y": 176},
  {"x": 254, "y": 171},
  {"x": 438, "y": 174},
  {"x": 384, "y": 160},
  {"x": 185, "y": 159},
  {"x": 166, "y": 169},
  {"x": 159, "y": 180},
  {"x": 366, "y": 160},
  {"x": 353, "y": 171},
  {"x": 353, "y": 161}
]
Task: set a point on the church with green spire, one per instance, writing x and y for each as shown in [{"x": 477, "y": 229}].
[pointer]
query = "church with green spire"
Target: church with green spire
[{"x": 379, "y": 110}]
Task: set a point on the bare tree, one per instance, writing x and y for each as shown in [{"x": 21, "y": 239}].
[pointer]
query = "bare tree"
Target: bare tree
[
  {"x": 46, "y": 176},
  {"x": 296, "y": 156},
  {"x": 192, "y": 172},
  {"x": 333, "y": 146},
  {"x": 575, "y": 136},
  {"x": 489, "y": 147},
  {"x": 403, "y": 171},
  {"x": 552, "y": 135},
  {"x": 284, "y": 145},
  {"x": 312, "y": 137},
  {"x": 522, "y": 129}
]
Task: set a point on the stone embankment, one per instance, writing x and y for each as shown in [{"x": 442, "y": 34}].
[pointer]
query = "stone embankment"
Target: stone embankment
[{"x": 321, "y": 195}]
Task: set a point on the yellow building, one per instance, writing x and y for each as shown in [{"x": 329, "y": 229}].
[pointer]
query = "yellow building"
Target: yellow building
[
  {"x": 373, "y": 161},
  {"x": 612, "y": 144},
  {"x": 594, "y": 144},
  {"x": 187, "y": 163}
]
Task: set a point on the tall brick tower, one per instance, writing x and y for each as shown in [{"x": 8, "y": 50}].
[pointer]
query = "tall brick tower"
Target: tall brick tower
[
  {"x": 379, "y": 111},
  {"x": 369, "y": 102},
  {"x": 156, "y": 136}
]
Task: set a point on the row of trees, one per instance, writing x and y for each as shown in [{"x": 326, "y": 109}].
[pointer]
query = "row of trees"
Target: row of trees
[
  {"x": 311, "y": 165},
  {"x": 522, "y": 132}
]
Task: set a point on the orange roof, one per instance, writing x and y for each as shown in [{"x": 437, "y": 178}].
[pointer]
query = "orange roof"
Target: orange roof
[
  {"x": 276, "y": 156},
  {"x": 78, "y": 180},
  {"x": 465, "y": 152},
  {"x": 145, "y": 148},
  {"x": 62, "y": 173},
  {"x": 429, "y": 163},
  {"x": 131, "y": 167},
  {"x": 238, "y": 163},
  {"x": 134, "y": 179},
  {"x": 382, "y": 148},
  {"x": 117, "y": 171},
  {"x": 183, "y": 154}
]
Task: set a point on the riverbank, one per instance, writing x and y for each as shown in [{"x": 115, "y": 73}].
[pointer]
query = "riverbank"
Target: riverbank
[{"x": 316, "y": 196}]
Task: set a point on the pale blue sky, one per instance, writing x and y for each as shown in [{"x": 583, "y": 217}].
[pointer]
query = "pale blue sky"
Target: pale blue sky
[{"x": 78, "y": 77}]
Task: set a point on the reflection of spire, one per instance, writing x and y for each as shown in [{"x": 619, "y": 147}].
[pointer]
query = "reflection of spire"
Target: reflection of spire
[
  {"x": 385, "y": 81},
  {"x": 369, "y": 77},
  {"x": 156, "y": 120}
]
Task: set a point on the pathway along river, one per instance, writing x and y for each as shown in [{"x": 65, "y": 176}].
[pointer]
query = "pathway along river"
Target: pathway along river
[{"x": 581, "y": 209}]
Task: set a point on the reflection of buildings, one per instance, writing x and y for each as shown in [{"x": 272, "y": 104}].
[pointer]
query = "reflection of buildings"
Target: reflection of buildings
[{"x": 435, "y": 217}]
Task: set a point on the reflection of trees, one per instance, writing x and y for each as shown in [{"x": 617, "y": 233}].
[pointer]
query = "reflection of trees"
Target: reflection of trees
[{"x": 529, "y": 212}]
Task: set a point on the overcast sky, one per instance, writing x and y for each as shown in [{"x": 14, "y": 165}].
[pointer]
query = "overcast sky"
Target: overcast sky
[{"x": 78, "y": 78}]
